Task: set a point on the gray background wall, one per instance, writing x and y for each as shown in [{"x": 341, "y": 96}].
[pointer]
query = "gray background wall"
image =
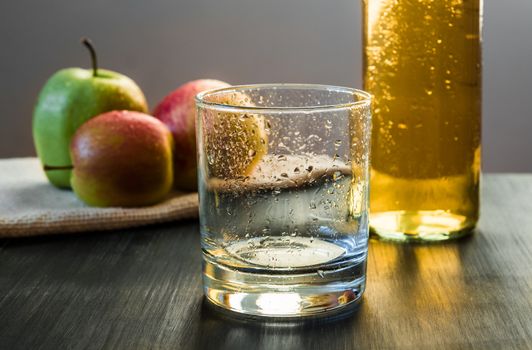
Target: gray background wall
[{"x": 163, "y": 43}]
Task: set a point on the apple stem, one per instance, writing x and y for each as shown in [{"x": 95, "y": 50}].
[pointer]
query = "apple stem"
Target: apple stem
[
  {"x": 51, "y": 167},
  {"x": 88, "y": 43}
]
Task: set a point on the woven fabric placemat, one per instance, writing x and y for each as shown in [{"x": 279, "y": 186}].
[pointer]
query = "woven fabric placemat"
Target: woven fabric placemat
[{"x": 30, "y": 206}]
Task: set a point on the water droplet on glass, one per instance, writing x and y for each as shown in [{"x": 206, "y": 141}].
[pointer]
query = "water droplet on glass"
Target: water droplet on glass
[
  {"x": 284, "y": 175},
  {"x": 252, "y": 152},
  {"x": 337, "y": 175},
  {"x": 296, "y": 170},
  {"x": 309, "y": 168}
]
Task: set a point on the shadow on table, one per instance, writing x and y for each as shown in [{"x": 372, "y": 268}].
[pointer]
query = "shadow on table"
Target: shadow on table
[
  {"x": 220, "y": 329},
  {"x": 403, "y": 280},
  {"x": 398, "y": 271}
]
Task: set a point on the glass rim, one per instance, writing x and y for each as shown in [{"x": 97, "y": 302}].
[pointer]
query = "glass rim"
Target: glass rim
[{"x": 366, "y": 98}]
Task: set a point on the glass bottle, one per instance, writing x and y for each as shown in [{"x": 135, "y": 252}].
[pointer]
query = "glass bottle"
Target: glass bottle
[{"x": 422, "y": 63}]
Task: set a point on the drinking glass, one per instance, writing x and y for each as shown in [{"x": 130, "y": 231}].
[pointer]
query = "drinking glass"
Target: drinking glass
[{"x": 283, "y": 173}]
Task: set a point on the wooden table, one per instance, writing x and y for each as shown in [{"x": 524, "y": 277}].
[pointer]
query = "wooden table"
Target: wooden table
[{"x": 141, "y": 288}]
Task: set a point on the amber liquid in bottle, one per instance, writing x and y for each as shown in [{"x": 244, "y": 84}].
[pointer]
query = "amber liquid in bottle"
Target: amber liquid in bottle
[{"x": 422, "y": 63}]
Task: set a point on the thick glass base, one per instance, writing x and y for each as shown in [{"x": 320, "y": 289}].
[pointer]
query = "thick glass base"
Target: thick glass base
[
  {"x": 286, "y": 294},
  {"x": 420, "y": 226}
]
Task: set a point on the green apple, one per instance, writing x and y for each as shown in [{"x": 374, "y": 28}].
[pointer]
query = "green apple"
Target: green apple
[
  {"x": 122, "y": 158},
  {"x": 69, "y": 98}
]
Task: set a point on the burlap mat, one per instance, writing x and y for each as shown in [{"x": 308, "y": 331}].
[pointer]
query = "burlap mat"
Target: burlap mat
[{"x": 30, "y": 206}]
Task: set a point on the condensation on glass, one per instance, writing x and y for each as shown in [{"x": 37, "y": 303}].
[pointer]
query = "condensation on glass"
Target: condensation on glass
[
  {"x": 283, "y": 185},
  {"x": 422, "y": 64}
]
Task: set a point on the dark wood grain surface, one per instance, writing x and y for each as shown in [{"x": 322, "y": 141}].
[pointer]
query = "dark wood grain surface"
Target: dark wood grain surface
[{"x": 141, "y": 289}]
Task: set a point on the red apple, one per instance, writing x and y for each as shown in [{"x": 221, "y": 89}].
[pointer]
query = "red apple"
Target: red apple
[
  {"x": 178, "y": 111},
  {"x": 122, "y": 158}
]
